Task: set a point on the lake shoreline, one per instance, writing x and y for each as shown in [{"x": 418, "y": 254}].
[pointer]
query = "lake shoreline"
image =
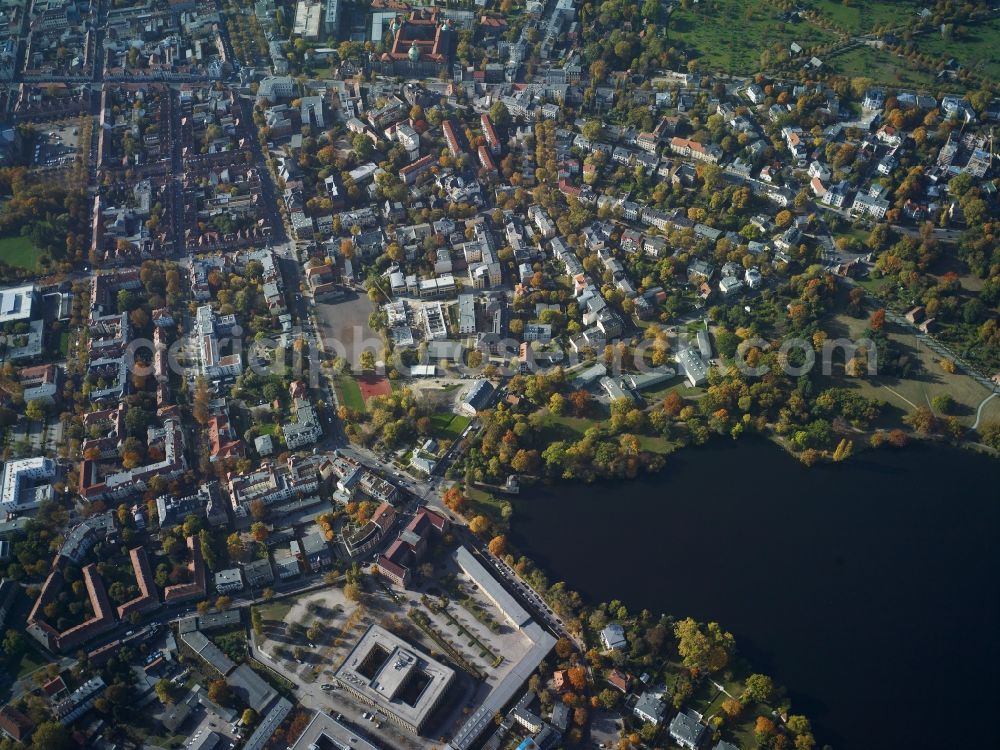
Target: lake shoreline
[{"x": 753, "y": 631}]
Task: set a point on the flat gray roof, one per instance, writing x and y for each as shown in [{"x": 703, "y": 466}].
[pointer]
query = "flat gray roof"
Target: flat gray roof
[
  {"x": 400, "y": 663},
  {"x": 251, "y": 687},
  {"x": 542, "y": 643},
  {"x": 265, "y": 730},
  {"x": 486, "y": 581},
  {"x": 325, "y": 726}
]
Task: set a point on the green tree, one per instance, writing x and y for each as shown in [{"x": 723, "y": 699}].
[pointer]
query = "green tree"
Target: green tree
[
  {"x": 234, "y": 544},
  {"x": 704, "y": 650},
  {"x": 13, "y": 644},
  {"x": 35, "y": 410},
  {"x": 943, "y": 403},
  {"x": 367, "y": 360},
  {"x": 207, "y": 551},
  {"x": 192, "y": 525},
  {"x": 164, "y": 691},
  {"x": 759, "y": 687},
  {"x": 51, "y": 735},
  {"x": 258, "y": 531},
  {"x": 499, "y": 114}
]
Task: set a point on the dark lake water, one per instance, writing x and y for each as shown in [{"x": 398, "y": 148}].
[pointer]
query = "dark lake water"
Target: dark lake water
[{"x": 869, "y": 589}]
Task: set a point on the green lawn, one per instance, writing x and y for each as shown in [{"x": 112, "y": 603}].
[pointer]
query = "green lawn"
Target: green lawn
[
  {"x": 30, "y": 661},
  {"x": 567, "y": 428},
  {"x": 708, "y": 28},
  {"x": 487, "y": 504},
  {"x": 269, "y": 428},
  {"x": 654, "y": 395},
  {"x": 881, "y": 67},
  {"x": 350, "y": 393},
  {"x": 905, "y": 395},
  {"x": 978, "y": 49},
  {"x": 18, "y": 251},
  {"x": 64, "y": 343},
  {"x": 571, "y": 429},
  {"x": 861, "y": 16},
  {"x": 275, "y": 611},
  {"x": 449, "y": 426}
]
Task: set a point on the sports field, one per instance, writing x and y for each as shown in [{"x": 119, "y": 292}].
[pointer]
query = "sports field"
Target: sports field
[
  {"x": 18, "y": 251},
  {"x": 371, "y": 384},
  {"x": 349, "y": 393}
]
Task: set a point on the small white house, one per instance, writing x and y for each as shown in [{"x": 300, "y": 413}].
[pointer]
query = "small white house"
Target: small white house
[{"x": 613, "y": 637}]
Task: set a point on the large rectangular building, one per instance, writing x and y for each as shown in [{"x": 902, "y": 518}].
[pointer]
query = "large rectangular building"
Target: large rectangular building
[
  {"x": 307, "y": 16},
  {"x": 17, "y": 303},
  {"x": 403, "y": 683},
  {"x": 26, "y": 483},
  {"x": 326, "y": 733}
]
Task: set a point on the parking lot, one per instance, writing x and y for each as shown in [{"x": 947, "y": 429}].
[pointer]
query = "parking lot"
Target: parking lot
[
  {"x": 548, "y": 617},
  {"x": 56, "y": 146},
  {"x": 333, "y": 625},
  {"x": 344, "y": 328}
]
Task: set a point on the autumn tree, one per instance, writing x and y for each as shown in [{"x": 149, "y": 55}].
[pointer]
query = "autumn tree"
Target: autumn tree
[
  {"x": 525, "y": 461},
  {"x": 498, "y": 545},
  {"x": 199, "y": 402},
  {"x": 577, "y": 677},
  {"x": 673, "y": 402},
  {"x": 454, "y": 500},
  {"x": 352, "y": 591},
  {"x": 580, "y": 402},
  {"x": 479, "y": 525},
  {"x": 234, "y": 545},
  {"x": 258, "y": 510},
  {"x": 564, "y": 648},
  {"x": 218, "y": 691},
  {"x": 877, "y": 320},
  {"x": 843, "y": 450},
  {"x": 259, "y": 532},
  {"x": 764, "y": 729},
  {"x": 732, "y": 707},
  {"x": 922, "y": 421}
]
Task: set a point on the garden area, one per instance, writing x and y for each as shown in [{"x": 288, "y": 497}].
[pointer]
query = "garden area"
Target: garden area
[
  {"x": 882, "y": 67},
  {"x": 861, "y": 16},
  {"x": 976, "y": 47}
]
